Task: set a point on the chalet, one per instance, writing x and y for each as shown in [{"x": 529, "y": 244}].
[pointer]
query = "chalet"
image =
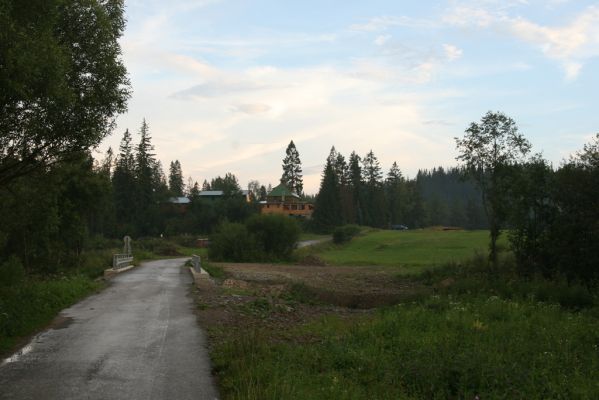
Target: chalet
[{"x": 281, "y": 200}]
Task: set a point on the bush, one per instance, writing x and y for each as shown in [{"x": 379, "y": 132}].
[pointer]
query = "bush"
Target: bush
[
  {"x": 232, "y": 242},
  {"x": 275, "y": 235},
  {"x": 262, "y": 238},
  {"x": 11, "y": 271},
  {"x": 345, "y": 233}
]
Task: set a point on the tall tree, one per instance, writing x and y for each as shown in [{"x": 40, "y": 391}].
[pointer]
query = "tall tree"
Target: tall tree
[
  {"x": 62, "y": 80},
  {"x": 292, "y": 170},
  {"x": 487, "y": 148},
  {"x": 374, "y": 209},
  {"x": 124, "y": 184},
  {"x": 356, "y": 187},
  {"x": 175, "y": 179},
  {"x": 229, "y": 184},
  {"x": 327, "y": 213},
  {"x": 394, "y": 189},
  {"x": 146, "y": 172}
]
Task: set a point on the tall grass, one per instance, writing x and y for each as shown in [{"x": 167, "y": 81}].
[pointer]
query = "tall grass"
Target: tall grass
[
  {"x": 441, "y": 348},
  {"x": 28, "y": 306}
]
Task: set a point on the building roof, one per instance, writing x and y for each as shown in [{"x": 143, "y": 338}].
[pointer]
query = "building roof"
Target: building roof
[
  {"x": 211, "y": 193},
  {"x": 282, "y": 190},
  {"x": 179, "y": 200}
]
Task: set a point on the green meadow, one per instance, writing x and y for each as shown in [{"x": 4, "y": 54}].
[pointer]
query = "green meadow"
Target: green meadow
[
  {"x": 466, "y": 331},
  {"x": 413, "y": 249}
]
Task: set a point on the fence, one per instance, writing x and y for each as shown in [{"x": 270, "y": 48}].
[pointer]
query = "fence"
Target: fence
[{"x": 121, "y": 260}]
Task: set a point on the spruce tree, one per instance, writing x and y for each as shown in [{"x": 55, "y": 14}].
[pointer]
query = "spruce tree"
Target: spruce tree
[
  {"x": 394, "y": 189},
  {"x": 175, "y": 179},
  {"x": 124, "y": 185},
  {"x": 292, "y": 170},
  {"x": 145, "y": 173},
  {"x": 327, "y": 211},
  {"x": 356, "y": 186}
]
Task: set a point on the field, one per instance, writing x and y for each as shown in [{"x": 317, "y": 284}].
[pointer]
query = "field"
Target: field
[
  {"x": 413, "y": 250},
  {"x": 373, "y": 332}
]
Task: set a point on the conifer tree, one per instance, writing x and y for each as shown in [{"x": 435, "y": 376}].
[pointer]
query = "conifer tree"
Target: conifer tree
[
  {"x": 175, "y": 179},
  {"x": 292, "y": 170},
  {"x": 327, "y": 213},
  {"x": 123, "y": 182}
]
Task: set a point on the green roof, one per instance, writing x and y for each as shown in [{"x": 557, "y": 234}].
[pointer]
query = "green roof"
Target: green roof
[{"x": 282, "y": 190}]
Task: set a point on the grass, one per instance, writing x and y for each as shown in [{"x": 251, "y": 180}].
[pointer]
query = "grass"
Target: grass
[
  {"x": 312, "y": 236},
  {"x": 468, "y": 331},
  {"x": 412, "y": 249},
  {"x": 30, "y": 305},
  {"x": 440, "y": 348}
]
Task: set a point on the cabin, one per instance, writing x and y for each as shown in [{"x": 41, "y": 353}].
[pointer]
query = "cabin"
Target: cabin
[
  {"x": 217, "y": 194},
  {"x": 281, "y": 200}
]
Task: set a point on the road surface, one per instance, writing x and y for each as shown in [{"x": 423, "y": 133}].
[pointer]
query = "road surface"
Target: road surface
[{"x": 138, "y": 339}]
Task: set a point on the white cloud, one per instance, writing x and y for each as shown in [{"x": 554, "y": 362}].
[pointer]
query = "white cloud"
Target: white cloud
[
  {"x": 452, "y": 52},
  {"x": 384, "y": 22},
  {"x": 570, "y": 45},
  {"x": 251, "y": 109},
  {"x": 381, "y": 39}
]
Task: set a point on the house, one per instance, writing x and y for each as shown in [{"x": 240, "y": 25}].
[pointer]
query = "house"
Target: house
[
  {"x": 217, "y": 194},
  {"x": 177, "y": 205},
  {"x": 281, "y": 200}
]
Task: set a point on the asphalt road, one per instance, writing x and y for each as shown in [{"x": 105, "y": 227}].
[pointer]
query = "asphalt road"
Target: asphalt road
[{"x": 138, "y": 339}]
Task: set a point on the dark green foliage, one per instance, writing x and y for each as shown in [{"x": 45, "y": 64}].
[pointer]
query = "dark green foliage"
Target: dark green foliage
[
  {"x": 62, "y": 81},
  {"x": 175, "y": 179},
  {"x": 345, "y": 233},
  {"x": 275, "y": 235},
  {"x": 327, "y": 212},
  {"x": 488, "y": 148},
  {"x": 292, "y": 170},
  {"x": 554, "y": 217},
  {"x": 232, "y": 242},
  {"x": 30, "y": 305},
  {"x": 11, "y": 272},
  {"x": 262, "y": 238},
  {"x": 229, "y": 185}
]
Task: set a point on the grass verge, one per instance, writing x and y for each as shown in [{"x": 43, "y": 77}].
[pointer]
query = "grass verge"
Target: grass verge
[{"x": 29, "y": 306}]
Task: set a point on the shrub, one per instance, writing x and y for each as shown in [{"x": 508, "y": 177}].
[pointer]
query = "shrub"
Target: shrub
[
  {"x": 262, "y": 238},
  {"x": 232, "y": 242},
  {"x": 11, "y": 271},
  {"x": 275, "y": 235},
  {"x": 345, "y": 233}
]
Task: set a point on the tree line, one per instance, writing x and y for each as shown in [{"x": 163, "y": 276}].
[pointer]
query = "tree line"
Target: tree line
[{"x": 356, "y": 191}]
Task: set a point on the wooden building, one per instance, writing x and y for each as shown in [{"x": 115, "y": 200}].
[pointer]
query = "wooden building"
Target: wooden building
[{"x": 281, "y": 200}]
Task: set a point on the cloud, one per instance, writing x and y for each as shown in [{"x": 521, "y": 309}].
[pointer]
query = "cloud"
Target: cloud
[
  {"x": 218, "y": 87},
  {"x": 384, "y": 22},
  {"x": 251, "y": 109},
  {"x": 452, "y": 52},
  {"x": 381, "y": 39},
  {"x": 570, "y": 45}
]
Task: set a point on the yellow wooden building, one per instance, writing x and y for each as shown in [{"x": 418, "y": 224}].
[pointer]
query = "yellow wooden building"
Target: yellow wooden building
[{"x": 281, "y": 200}]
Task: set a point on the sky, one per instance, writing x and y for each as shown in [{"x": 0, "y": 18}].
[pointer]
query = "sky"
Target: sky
[{"x": 225, "y": 85}]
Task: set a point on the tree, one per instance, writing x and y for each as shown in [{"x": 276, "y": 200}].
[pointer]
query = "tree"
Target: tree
[
  {"x": 292, "y": 170},
  {"x": 356, "y": 186},
  {"x": 327, "y": 213},
  {"x": 175, "y": 179},
  {"x": 254, "y": 189},
  {"x": 229, "y": 184},
  {"x": 62, "y": 80},
  {"x": 123, "y": 183},
  {"x": 487, "y": 148},
  {"x": 394, "y": 189}
]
